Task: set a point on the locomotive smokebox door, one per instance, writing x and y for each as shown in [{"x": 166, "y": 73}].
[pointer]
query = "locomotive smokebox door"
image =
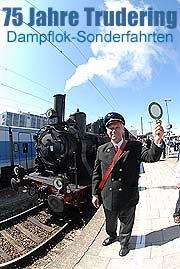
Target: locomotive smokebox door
[{"x": 56, "y": 203}]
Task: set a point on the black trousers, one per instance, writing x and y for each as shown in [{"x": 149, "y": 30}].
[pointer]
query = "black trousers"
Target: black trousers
[
  {"x": 126, "y": 217},
  {"x": 177, "y": 209}
]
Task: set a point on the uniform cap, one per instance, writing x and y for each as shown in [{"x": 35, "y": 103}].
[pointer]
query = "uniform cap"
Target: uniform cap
[{"x": 113, "y": 116}]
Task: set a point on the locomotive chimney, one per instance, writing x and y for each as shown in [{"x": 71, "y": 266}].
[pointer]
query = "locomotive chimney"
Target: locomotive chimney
[{"x": 59, "y": 106}]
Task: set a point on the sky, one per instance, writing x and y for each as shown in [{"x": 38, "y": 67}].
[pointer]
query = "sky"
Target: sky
[{"x": 97, "y": 77}]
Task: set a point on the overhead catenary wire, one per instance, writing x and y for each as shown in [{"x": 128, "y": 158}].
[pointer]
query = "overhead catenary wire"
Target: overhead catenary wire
[
  {"x": 30, "y": 94},
  {"x": 25, "y": 77},
  {"x": 68, "y": 58},
  {"x": 73, "y": 43},
  {"x": 20, "y": 109},
  {"x": 81, "y": 53},
  {"x": 12, "y": 100}
]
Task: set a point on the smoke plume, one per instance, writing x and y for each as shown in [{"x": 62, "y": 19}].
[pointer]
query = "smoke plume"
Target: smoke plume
[{"x": 119, "y": 63}]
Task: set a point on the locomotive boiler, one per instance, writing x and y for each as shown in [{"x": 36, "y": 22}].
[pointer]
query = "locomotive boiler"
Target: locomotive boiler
[{"x": 65, "y": 155}]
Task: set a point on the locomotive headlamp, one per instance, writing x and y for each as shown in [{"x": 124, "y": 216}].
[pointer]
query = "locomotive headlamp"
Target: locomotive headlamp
[
  {"x": 19, "y": 171},
  {"x": 58, "y": 183},
  {"x": 50, "y": 113},
  {"x": 16, "y": 170}
]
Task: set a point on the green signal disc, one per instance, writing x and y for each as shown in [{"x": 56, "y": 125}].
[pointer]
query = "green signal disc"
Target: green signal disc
[{"x": 155, "y": 110}]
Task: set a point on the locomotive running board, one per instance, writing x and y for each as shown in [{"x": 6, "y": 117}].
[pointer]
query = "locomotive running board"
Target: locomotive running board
[{"x": 41, "y": 179}]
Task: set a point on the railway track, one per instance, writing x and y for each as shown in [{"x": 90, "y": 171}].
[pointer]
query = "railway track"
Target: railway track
[{"x": 25, "y": 235}]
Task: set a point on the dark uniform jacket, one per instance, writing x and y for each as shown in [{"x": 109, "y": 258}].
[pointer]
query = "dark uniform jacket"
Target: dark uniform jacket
[{"x": 121, "y": 188}]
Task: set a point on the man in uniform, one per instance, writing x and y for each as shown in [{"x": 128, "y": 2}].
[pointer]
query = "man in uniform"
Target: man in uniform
[{"x": 120, "y": 193}]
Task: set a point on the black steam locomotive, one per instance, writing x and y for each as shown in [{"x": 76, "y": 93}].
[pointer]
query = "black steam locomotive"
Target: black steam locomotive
[{"x": 65, "y": 155}]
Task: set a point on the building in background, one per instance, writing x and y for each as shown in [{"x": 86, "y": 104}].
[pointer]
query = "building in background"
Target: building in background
[
  {"x": 22, "y": 119},
  {"x": 134, "y": 132}
]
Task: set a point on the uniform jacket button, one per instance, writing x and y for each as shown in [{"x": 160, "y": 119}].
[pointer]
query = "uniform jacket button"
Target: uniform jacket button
[
  {"x": 119, "y": 179},
  {"x": 112, "y": 179},
  {"x": 120, "y": 189},
  {"x": 120, "y": 169},
  {"x": 110, "y": 189}
]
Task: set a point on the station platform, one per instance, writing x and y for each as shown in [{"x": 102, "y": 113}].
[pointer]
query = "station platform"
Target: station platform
[{"x": 155, "y": 240}]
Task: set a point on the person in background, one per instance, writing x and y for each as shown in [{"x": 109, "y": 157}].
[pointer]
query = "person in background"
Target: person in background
[
  {"x": 148, "y": 142},
  {"x": 176, "y": 214},
  {"x": 164, "y": 149},
  {"x": 178, "y": 151},
  {"x": 120, "y": 193}
]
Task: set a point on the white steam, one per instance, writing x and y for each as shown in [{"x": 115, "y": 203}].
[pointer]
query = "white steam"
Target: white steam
[{"x": 122, "y": 62}]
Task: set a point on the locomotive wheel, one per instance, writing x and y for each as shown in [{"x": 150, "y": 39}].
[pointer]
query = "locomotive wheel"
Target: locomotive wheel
[{"x": 56, "y": 203}]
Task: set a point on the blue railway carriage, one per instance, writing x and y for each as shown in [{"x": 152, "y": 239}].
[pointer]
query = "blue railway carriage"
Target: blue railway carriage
[{"x": 16, "y": 148}]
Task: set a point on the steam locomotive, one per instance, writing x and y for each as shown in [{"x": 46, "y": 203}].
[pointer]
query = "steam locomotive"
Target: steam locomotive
[{"x": 65, "y": 155}]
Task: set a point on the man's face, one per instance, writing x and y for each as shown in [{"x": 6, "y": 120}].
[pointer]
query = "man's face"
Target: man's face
[{"x": 115, "y": 131}]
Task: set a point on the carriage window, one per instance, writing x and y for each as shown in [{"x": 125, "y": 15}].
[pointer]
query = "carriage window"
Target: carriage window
[
  {"x": 16, "y": 147},
  {"x": 25, "y": 147}
]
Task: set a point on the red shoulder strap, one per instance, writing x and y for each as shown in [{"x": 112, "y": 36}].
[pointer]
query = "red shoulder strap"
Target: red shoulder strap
[{"x": 110, "y": 168}]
